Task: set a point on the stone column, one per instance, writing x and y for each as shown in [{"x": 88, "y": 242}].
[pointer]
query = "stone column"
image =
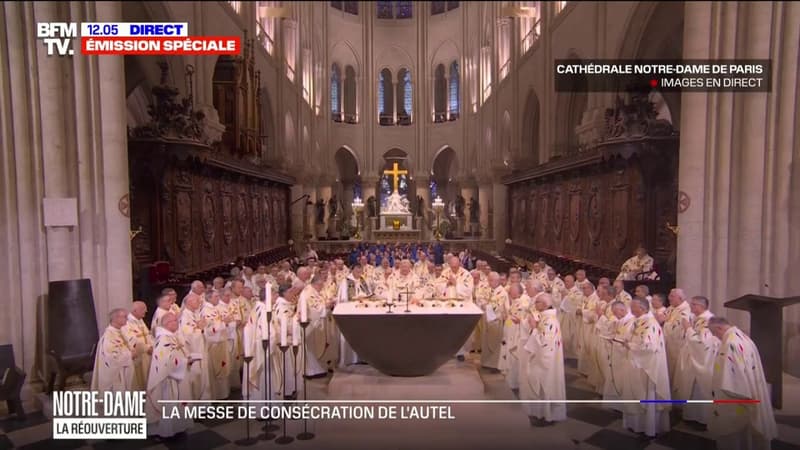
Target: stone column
[
  {"x": 499, "y": 219},
  {"x": 296, "y": 213},
  {"x": 423, "y": 191},
  {"x": 485, "y": 201},
  {"x": 368, "y": 223}
]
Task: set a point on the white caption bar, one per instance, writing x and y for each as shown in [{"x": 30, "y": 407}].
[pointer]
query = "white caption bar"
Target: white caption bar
[
  {"x": 134, "y": 29},
  {"x": 100, "y": 428}
]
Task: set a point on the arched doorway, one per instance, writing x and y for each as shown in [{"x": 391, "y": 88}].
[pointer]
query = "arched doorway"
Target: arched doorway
[
  {"x": 443, "y": 173},
  {"x": 348, "y": 181}
]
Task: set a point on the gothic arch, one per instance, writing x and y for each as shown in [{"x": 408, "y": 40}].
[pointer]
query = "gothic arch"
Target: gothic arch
[
  {"x": 570, "y": 107},
  {"x": 445, "y": 54}
]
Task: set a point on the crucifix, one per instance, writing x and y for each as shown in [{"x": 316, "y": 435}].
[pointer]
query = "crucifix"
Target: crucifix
[{"x": 395, "y": 173}]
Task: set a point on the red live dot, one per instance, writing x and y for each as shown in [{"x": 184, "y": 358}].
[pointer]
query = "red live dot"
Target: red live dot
[{"x": 653, "y": 83}]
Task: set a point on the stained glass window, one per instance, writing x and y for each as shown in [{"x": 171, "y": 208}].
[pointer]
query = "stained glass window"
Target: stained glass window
[
  {"x": 407, "y": 92},
  {"x": 454, "y": 90},
  {"x": 336, "y": 82},
  {"x": 385, "y": 10},
  {"x": 381, "y": 97},
  {"x": 403, "y": 10}
]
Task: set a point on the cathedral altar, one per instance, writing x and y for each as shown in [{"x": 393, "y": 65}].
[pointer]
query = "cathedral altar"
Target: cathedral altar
[{"x": 406, "y": 344}]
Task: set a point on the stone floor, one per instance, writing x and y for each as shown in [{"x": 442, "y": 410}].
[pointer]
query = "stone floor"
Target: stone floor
[{"x": 484, "y": 426}]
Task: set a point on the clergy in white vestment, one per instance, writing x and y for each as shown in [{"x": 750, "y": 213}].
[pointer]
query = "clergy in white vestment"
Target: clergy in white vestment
[
  {"x": 544, "y": 362},
  {"x": 164, "y": 304},
  {"x": 554, "y": 286},
  {"x": 648, "y": 378},
  {"x": 263, "y": 324},
  {"x": 622, "y": 295},
  {"x": 215, "y": 314},
  {"x": 695, "y": 364},
  {"x": 493, "y": 318},
  {"x": 404, "y": 283},
  {"x": 587, "y": 333},
  {"x": 421, "y": 266},
  {"x": 640, "y": 262},
  {"x": 538, "y": 273},
  {"x": 658, "y": 307},
  {"x": 113, "y": 362},
  {"x": 516, "y": 311},
  {"x": 312, "y": 306},
  {"x": 580, "y": 279},
  {"x": 456, "y": 283},
  {"x": 140, "y": 342},
  {"x": 618, "y": 362},
  {"x": 604, "y": 329},
  {"x": 167, "y": 380},
  {"x": 571, "y": 297},
  {"x": 232, "y": 318},
  {"x": 739, "y": 375},
  {"x": 192, "y": 329},
  {"x": 355, "y": 287},
  {"x": 674, "y": 336}
]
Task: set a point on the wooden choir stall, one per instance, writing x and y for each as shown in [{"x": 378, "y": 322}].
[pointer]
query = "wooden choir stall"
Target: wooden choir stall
[{"x": 602, "y": 201}]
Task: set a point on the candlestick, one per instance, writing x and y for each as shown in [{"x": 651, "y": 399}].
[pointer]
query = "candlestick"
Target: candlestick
[
  {"x": 303, "y": 309},
  {"x": 284, "y": 331},
  {"x": 296, "y": 332},
  {"x": 268, "y": 297},
  {"x": 263, "y": 319}
]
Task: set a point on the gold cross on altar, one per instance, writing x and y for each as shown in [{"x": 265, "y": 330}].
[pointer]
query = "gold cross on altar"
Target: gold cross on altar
[{"x": 395, "y": 173}]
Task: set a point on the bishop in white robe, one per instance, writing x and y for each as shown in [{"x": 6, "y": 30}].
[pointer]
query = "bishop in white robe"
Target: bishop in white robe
[
  {"x": 113, "y": 362},
  {"x": 516, "y": 311},
  {"x": 674, "y": 337},
  {"x": 219, "y": 356},
  {"x": 456, "y": 283},
  {"x": 140, "y": 342},
  {"x": 493, "y": 318},
  {"x": 192, "y": 330},
  {"x": 168, "y": 381},
  {"x": 739, "y": 375},
  {"x": 648, "y": 378},
  {"x": 695, "y": 363},
  {"x": 313, "y": 307},
  {"x": 618, "y": 362},
  {"x": 544, "y": 355},
  {"x": 355, "y": 287}
]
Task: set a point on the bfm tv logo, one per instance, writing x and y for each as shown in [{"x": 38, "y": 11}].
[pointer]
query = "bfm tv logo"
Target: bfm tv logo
[{"x": 57, "y": 37}]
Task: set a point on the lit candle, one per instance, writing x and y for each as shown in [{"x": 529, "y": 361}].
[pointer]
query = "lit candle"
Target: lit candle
[
  {"x": 268, "y": 297},
  {"x": 296, "y": 332},
  {"x": 303, "y": 309},
  {"x": 284, "y": 330},
  {"x": 248, "y": 340},
  {"x": 267, "y": 307}
]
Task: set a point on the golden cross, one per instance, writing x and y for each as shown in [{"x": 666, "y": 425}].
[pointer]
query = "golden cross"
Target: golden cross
[{"x": 395, "y": 173}]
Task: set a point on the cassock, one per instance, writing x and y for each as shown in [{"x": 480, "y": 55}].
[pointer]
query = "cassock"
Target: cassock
[
  {"x": 587, "y": 339},
  {"x": 738, "y": 375},
  {"x": 113, "y": 363},
  {"x": 647, "y": 379},
  {"x": 316, "y": 333},
  {"x": 674, "y": 335},
  {"x": 618, "y": 362},
  {"x": 219, "y": 363},
  {"x": 167, "y": 381},
  {"x": 570, "y": 322},
  {"x": 195, "y": 341},
  {"x": 509, "y": 352},
  {"x": 350, "y": 289},
  {"x": 140, "y": 342},
  {"x": 693, "y": 374},
  {"x": 462, "y": 290},
  {"x": 544, "y": 375}
]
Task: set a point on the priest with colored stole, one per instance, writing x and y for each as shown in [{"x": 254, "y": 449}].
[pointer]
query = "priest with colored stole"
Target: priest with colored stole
[
  {"x": 140, "y": 342},
  {"x": 113, "y": 363},
  {"x": 312, "y": 306},
  {"x": 168, "y": 380},
  {"x": 695, "y": 363},
  {"x": 544, "y": 355},
  {"x": 219, "y": 356},
  {"x": 492, "y": 335},
  {"x": 739, "y": 375},
  {"x": 516, "y": 311},
  {"x": 618, "y": 362},
  {"x": 354, "y": 288},
  {"x": 648, "y": 378},
  {"x": 192, "y": 327},
  {"x": 674, "y": 336}
]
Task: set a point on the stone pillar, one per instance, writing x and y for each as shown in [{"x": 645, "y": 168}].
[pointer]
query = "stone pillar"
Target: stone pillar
[
  {"x": 485, "y": 201},
  {"x": 500, "y": 206},
  {"x": 425, "y": 193},
  {"x": 368, "y": 224}
]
